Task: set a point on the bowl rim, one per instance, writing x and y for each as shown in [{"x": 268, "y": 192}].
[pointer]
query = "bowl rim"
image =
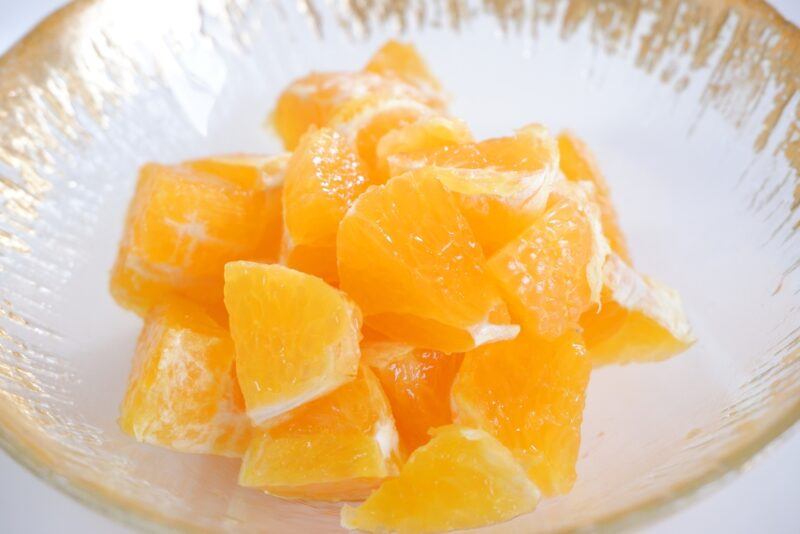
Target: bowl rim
[{"x": 25, "y": 452}]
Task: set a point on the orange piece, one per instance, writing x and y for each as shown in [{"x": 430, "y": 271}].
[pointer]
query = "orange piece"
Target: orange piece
[
  {"x": 462, "y": 478},
  {"x": 338, "y": 447},
  {"x": 552, "y": 272},
  {"x": 182, "y": 227},
  {"x": 257, "y": 173},
  {"x": 296, "y": 337},
  {"x": 364, "y": 121},
  {"x": 501, "y": 184},
  {"x": 578, "y": 163},
  {"x": 408, "y": 257},
  {"x": 428, "y": 134},
  {"x": 314, "y": 99},
  {"x": 401, "y": 60},
  {"x": 529, "y": 394},
  {"x": 417, "y": 382},
  {"x": 182, "y": 391},
  {"x": 640, "y": 319},
  {"x": 323, "y": 178}
]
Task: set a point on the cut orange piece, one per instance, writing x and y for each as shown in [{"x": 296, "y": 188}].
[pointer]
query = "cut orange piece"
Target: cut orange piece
[
  {"x": 578, "y": 163},
  {"x": 258, "y": 173},
  {"x": 181, "y": 229},
  {"x": 640, "y": 319},
  {"x": 407, "y": 256},
  {"x": 323, "y": 178},
  {"x": 338, "y": 447},
  {"x": 364, "y": 121},
  {"x": 417, "y": 382},
  {"x": 296, "y": 337},
  {"x": 428, "y": 134},
  {"x": 501, "y": 184},
  {"x": 529, "y": 394},
  {"x": 551, "y": 273},
  {"x": 462, "y": 478},
  {"x": 401, "y": 60},
  {"x": 314, "y": 99},
  {"x": 182, "y": 392}
]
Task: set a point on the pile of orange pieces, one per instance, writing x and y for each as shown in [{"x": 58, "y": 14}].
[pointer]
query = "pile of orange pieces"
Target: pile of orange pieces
[{"x": 393, "y": 311}]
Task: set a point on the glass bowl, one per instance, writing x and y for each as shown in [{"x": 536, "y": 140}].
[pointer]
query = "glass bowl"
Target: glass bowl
[{"x": 691, "y": 107}]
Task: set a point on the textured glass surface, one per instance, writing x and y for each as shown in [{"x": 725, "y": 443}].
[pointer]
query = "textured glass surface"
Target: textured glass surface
[{"x": 690, "y": 105}]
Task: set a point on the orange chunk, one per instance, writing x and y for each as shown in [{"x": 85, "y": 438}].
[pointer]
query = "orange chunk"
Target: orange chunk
[
  {"x": 257, "y": 173},
  {"x": 296, "y": 337},
  {"x": 337, "y": 447},
  {"x": 501, "y": 184},
  {"x": 462, "y": 478},
  {"x": 181, "y": 229},
  {"x": 640, "y": 319},
  {"x": 407, "y": 256},
  {"x": 578, "y": 163},
  {"x": 417, "y": 383},
  {"x": 529, "y": 394},
  {"x": 364, "y": 121},
  {"x": 182, "y": 391},
  {"x": 428, "y": 134},
  {"x": 314, "y": 99},
  {"x": 402, "y": 60},
  {"x": 323, "y": 179},
  {"x": 552, "y": 272}
]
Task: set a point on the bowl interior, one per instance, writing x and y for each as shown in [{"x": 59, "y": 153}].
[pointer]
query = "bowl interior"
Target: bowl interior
[{"x": 689, "y": 108}]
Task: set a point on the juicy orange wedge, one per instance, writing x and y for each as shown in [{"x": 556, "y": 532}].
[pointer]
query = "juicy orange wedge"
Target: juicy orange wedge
[
  {"x": 296, "y": 337},
  {"x": 640, "y": 319},
  {"x": 182, "y": 391},
  {"x": 407, "y": 256},
  {"x": 578, "y": 163},
  {"x": 256, "y": 173},
  {"x": 529, "y": 394},
  {"x": 182, "y": 227},
  {"x": 552, "y": 272},
  {"x": 401, "y": 60},
  {"x": 501, "y": 184},
  {"x": 337, "y": 447},
  {"x": 462, "y": 478},
  {"x": 417, "y": 383}
]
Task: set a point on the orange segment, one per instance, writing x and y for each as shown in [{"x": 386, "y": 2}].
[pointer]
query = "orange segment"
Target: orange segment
[
  {"x": 640, "y": 319},
  {"x": 529, "y": 394},
  {"x": 551, "y": 273},
  {"x": 501, "y": 184},
  {"x": 258, "y": 173},
  {"x": 401, "y": 60},
  {"x": 417, "y": 383},
  {"x": 323, "y": 178},
  {"x": 428, "y": 134},
  {"x": 338, "y": 447},
  {"x": 181, "y": 229},
  {"x": 314, "y": 99},
  {"x": 296, "y": 337},
  {"x": 578, "y": 163},
  {"x": 462, "y": 478},
  {"x": 364, "y": 121},
  {"x": 407, "y": 256},
  {"x": 182, "y": 391}
]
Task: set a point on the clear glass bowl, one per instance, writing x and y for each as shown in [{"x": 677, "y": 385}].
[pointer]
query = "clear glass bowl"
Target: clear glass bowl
[{"x": 691, "y": 109}]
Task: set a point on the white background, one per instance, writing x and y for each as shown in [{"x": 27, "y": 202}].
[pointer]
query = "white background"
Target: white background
[{"x": 766, "y": 498}]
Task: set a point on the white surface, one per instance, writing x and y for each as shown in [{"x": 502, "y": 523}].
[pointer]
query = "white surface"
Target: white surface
[{"x": 762, "y": 500}]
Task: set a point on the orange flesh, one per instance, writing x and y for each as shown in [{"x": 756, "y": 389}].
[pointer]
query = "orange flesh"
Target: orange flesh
[
  {"x": 182, "y": 391},
  {"x": 408, "y": 258},
  {"x": 529, "y": 394}
]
